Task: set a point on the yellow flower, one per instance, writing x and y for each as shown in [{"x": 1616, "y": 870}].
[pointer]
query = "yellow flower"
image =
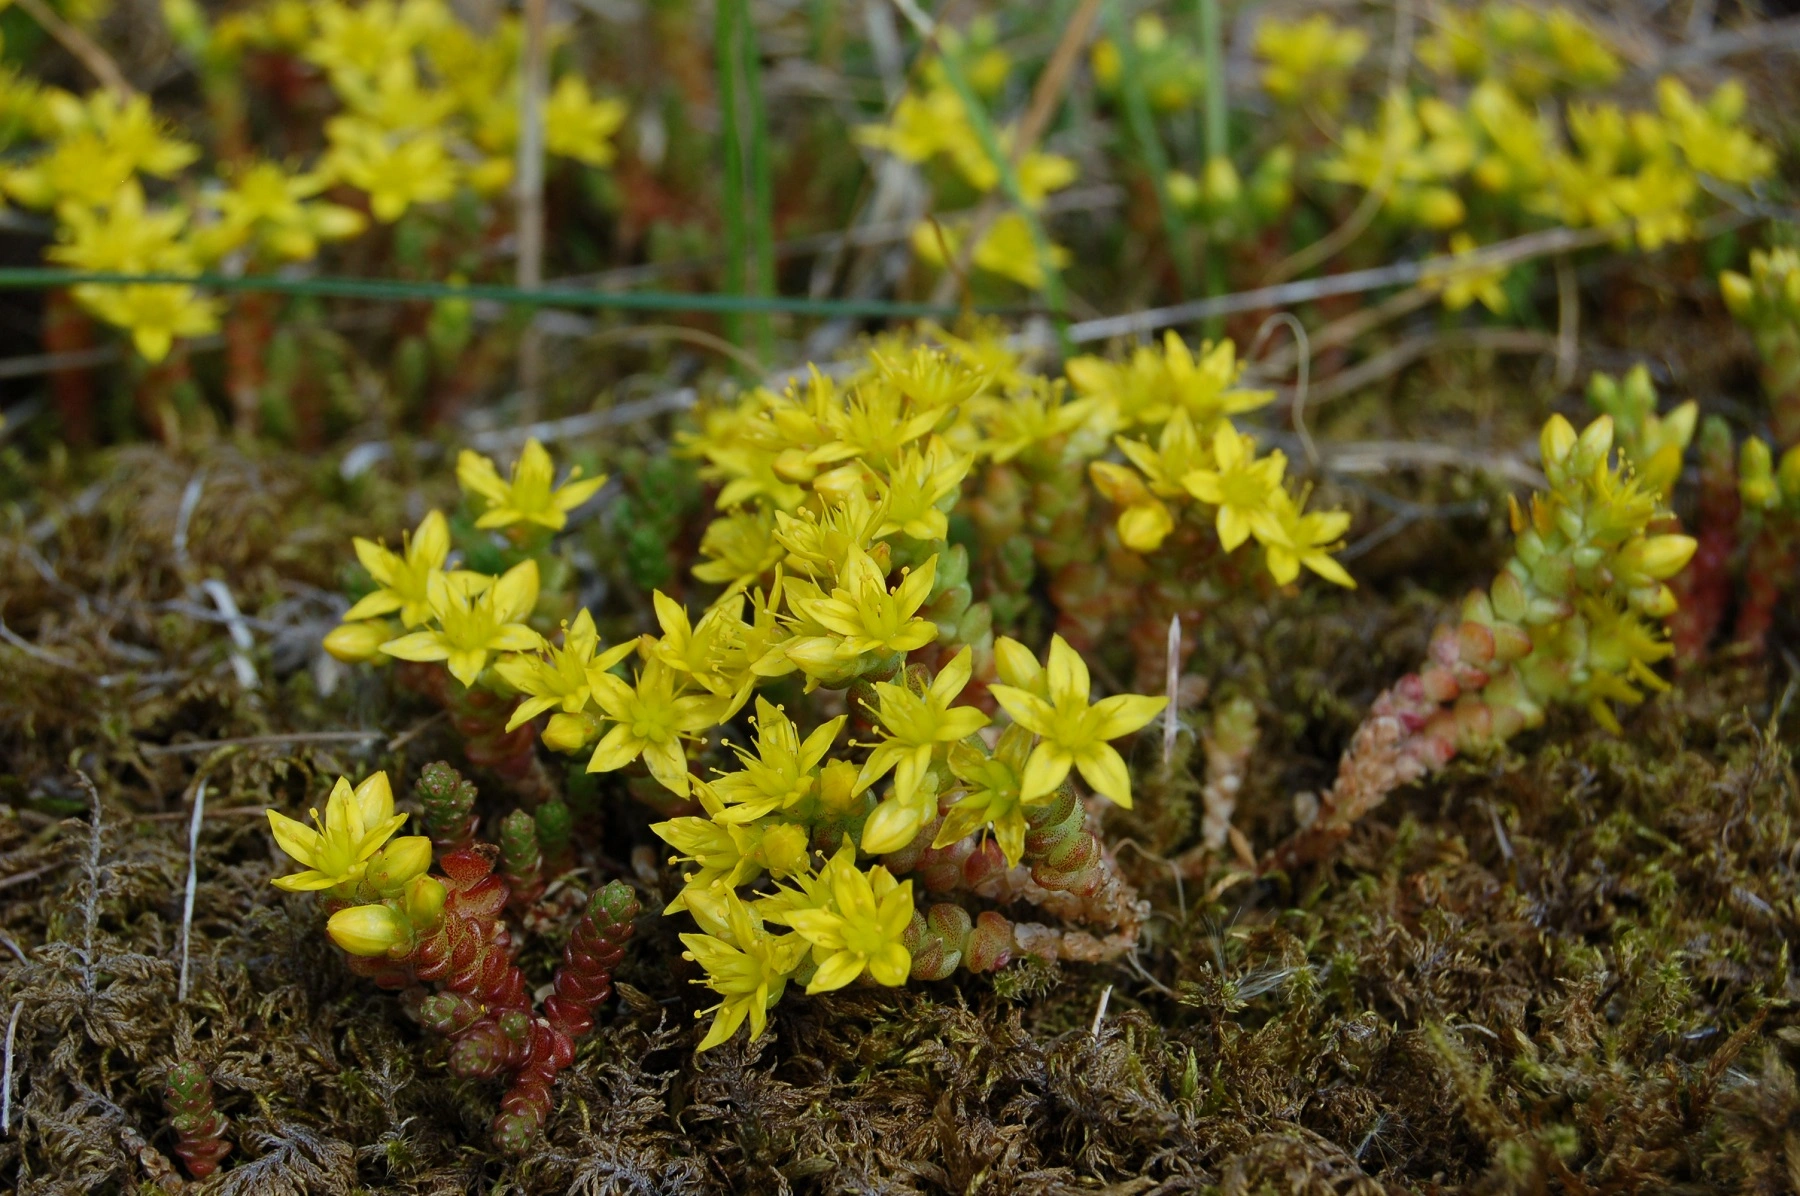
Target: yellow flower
[
  {"x": 560, "y": 676},
  {"x": 862, "y": 929},
  {"x": 362, "y": 39},
  {"x": 862, "y": 615},
  {"x": 1291, "y": 539},
  {"x": 356, "y": 824},
  {"x": 739, "y": 548},
  {"x": 155, "y": 314},
  {"x": 397, "y": 171},
  {"x": 1009, "y": 251},
  {"x": 1176, "y": 455},
  {"x": 1465, "y": 285},
  {"x": 267, "y": 203},
  {"x": 579, "y": 126},
  {"x": 1036, "y": 410},
  {"x": 1309, "y": 58},
  {"x": 818, "y": 542},
  {"x": 915, "y": 723},
  {"x": 468, "y": 630},
  {"x": 133, "y": 132},
  {"x": 917, "y": 487},
  {"x": 532, "y": 496},
  {"x": 403, "y": 577},
  {"x": 1239, "y": 484},
  {"x": 992, "y": 797},
  {"x": 745, "y": 965},
  {"x": 1144, "y": 520},
  {"x": 123, "y": 235},
  {"x": 783, "y": 771},
  {"x": 730, "y": 854},
  {"x": 1073, "y": 733},
  {"x": 649, "y": 720}
]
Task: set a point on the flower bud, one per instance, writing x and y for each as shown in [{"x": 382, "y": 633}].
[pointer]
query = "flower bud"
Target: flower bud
[
  {"x": 1596, "y": 440},
  {"x": 1144, "y": 527},
  {"x": 395, "y": 865},
  {"x": 837, "y": 485},
  {"x": 1439, "y": 207},
  {"x": 1665, "y": 556},
  {"x": 425, "y": 903},
  {"x": 784, "y": 849},
  {"x": 1756, "y": 474},
  {"x": 1557, "y": 439},
  {"x": 1738, "y": 293},
  {"x": 354, "y": 643},
  {"x": 1184, "y": 191},
  {"x": 1223, "y": 187},
  {"x": 370, "y": 930},
  {"x": 892, "y": 826},
  {"x": 1788, "y": 475},
  {"x": 570, "y": 732},
  {"x": 837, "y": 787}
]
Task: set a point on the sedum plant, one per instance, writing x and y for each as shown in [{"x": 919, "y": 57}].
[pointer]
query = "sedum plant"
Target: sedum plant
[
  {"x": 1575, "y": 617},
  {"x": 873, "y": 745},
  {"x": 407, "y": 928}
]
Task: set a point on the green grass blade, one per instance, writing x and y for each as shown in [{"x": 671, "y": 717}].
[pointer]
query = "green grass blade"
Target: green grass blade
[{"x": 1150, "y": 149}]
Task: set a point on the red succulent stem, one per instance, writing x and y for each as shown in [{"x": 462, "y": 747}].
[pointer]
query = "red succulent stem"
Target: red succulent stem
[
  {"x": 69, "y": 329},
  {"x": 199, "y": 1127},
  {"x": 1770, "y": 571},
  {"x": 480, "y": 719},
  {"x": 1704, "y": 588}
]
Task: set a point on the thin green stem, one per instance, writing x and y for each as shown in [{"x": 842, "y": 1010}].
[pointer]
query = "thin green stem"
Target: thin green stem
[
  {"x": 1212, "y": 58},
  {"x": 24, "y": 278},
  {"x": 761, "y": 217},
  {"x": 1150, "y": 149},
  {"x": 1216, "y": 120},
  {"x": 726, "y": 69}
]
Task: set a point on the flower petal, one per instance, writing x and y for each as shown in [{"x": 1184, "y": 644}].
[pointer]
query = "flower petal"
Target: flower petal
[
  {"x": 373, "y": 604},
  {"x": 616, "y": 749},
  {"x": 891, "y": 965},
  {"x": 1026, "y": 708},
  {"x": 1122, "y": 714},
  {"x": 1068, "y": 672},
  {"x": 300, "y": 841},
  {"x": 304, "y": 882},
  {"x": 431, "y": 542},
  {"x": 668, "y": 764},
  {"x": 1105, "y": 770},
  {"x": 1044, "y": 771},
  {"x": 836, "y": 972},
  {"x": 516, "y": 592},
  {"x": 419, "y": 645},
  {"x": 375, "y": 799}
]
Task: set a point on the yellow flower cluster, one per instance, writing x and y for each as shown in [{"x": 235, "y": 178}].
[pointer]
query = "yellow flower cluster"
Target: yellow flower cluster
[
  {"x": 831, "y": 545},
  {"x": 1522, "y": 144},
  {"x": 931, "y": 124},
  {"x": 427, "y": 106},
  {"x": 1585, "y": 586},
  {"x": 347, "y": 854},
  {"x": 1535, "y": 51},
  {"x": 464, "y": 618},
  {"x": 1200, "y": 459},
  {"x": 1309, "y": 60},
  {"x": 1170, "y": 67}
]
